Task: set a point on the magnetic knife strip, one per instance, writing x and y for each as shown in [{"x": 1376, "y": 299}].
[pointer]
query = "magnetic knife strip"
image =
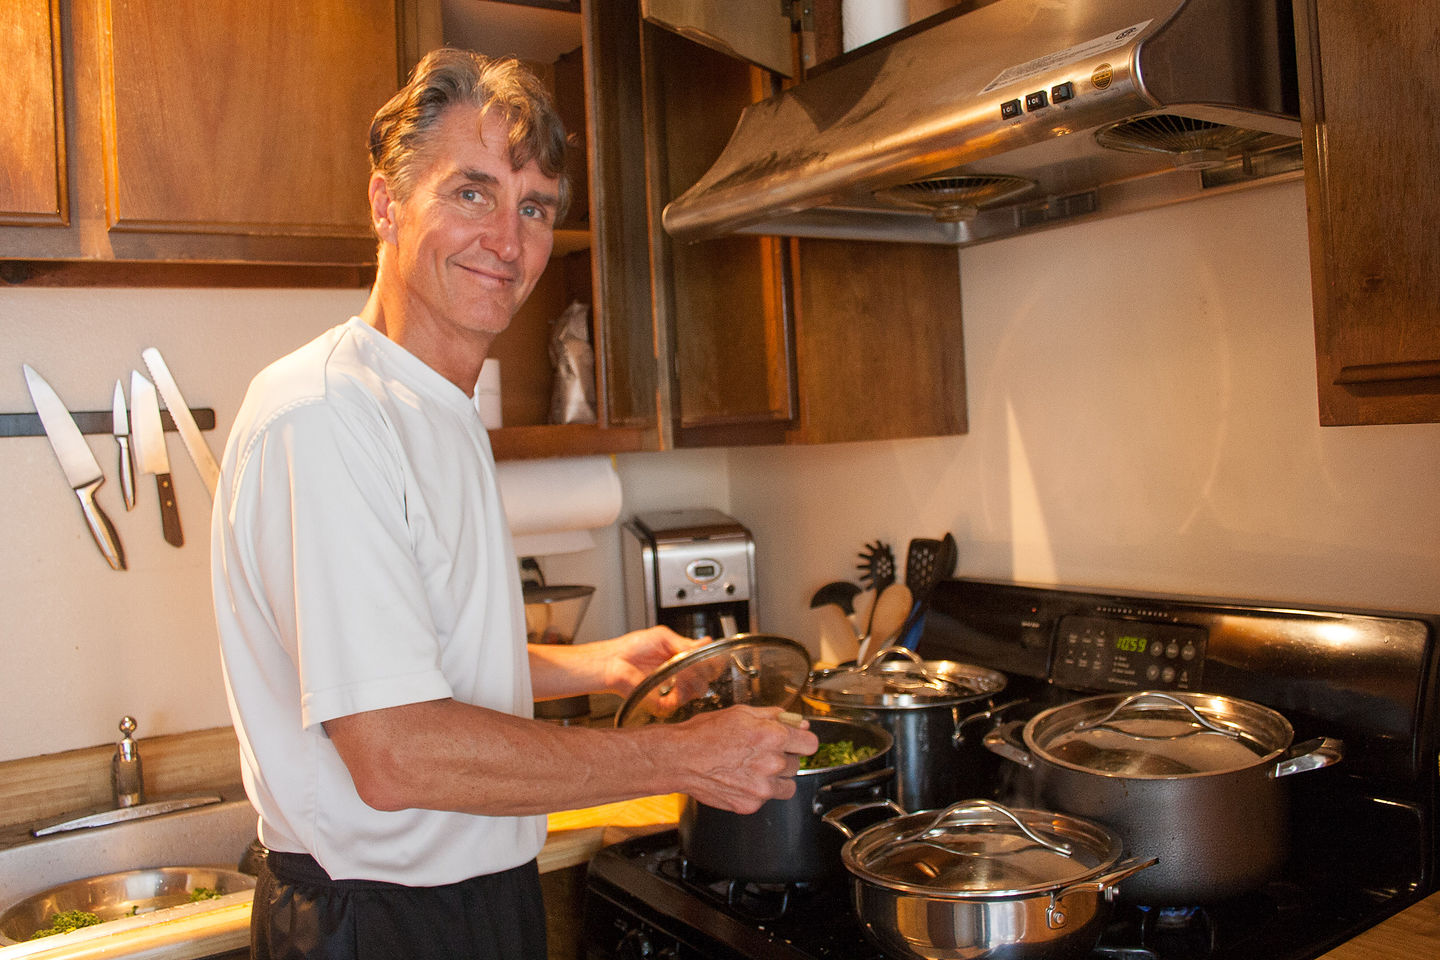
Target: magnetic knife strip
[{"x": 92, "y": 421}]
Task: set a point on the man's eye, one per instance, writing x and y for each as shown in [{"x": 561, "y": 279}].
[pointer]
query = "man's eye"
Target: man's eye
[
  {"x": 534, "y": 211},
  {"x": 471, "y": 195}
]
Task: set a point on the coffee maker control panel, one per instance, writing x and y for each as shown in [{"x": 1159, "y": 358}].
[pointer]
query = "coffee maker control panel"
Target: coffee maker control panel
[{"x": 720, "y": 574}]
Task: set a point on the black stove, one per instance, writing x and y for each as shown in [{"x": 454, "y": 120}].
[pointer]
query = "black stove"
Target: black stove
[{"x": 1363, "y": 842}]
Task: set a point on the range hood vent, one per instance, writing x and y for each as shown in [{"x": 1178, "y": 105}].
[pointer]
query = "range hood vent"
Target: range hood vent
[
  {"x": 951, "y": 199},
  {"x": 1189, "y": 143},
  {"x": 998, "y": 116}
]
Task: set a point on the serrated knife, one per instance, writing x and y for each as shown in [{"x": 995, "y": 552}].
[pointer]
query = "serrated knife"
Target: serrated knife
[
  {"x": 120, "y": 427},
  {"x": 151, "y": 455},
  {"x": 78, "y": 463},
  {"x": 190, "y": 433}
]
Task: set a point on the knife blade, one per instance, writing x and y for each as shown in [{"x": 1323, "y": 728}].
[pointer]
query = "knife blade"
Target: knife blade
[
  {"x": 77, "y": 462},
  {"x": 151, "y": 455},
  {"x": 190, "y": 433},
  {"x": 121, "y": 430}
]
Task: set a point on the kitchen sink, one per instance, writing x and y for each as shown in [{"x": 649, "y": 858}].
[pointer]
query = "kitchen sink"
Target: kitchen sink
[
  {"x": 122, "y": 859},
  {"x": 114, "y": 896}
]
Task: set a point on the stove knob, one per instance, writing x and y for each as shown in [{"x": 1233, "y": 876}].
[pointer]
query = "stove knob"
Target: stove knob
[{"x": 635, "y": 945}]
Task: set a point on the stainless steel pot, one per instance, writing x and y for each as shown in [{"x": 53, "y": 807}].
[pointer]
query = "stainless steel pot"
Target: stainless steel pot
[
  {"x": 925, "y": 704},
  {"x": 978, "y": 879},
  {"x": 1194, "y": 779},
  {"x": 785, "y": 841}
]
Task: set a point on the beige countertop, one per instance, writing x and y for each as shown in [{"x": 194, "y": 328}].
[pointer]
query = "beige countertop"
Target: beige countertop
[
  {"x": 206, "y": 929},
  {"x": 1409, "y": 935}
]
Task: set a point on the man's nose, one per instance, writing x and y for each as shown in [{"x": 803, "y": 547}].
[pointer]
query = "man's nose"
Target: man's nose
[{"x": 501, "y": 234}]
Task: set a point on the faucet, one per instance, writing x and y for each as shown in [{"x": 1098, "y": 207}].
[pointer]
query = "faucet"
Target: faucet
[
  {"x": 128, "y": 784},
  {"x": 126, "y": 776}
]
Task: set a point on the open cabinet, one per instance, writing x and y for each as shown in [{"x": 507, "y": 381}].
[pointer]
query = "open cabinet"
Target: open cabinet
[{"x": 769, "y": 339}]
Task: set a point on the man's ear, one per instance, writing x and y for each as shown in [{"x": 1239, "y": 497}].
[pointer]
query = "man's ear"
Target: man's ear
[{"x": 382, "y": 208}]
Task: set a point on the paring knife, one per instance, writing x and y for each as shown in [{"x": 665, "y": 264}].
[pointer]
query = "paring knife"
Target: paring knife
[
  {"x": 121, "y": 429},
  {"x": 78, "y": 463},
  {"x": 150, "y": 453},
  {"x": 190, "y": 433}
]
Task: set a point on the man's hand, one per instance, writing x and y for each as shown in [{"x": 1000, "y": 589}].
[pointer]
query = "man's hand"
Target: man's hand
[
  {"x": 632, "y": 657},
  {"x": 738, "y": 758},
  {"x": 607, "y": 666}
]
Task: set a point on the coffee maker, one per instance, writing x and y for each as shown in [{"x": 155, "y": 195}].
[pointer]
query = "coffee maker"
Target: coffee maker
[{"x": 691, "y": 570}]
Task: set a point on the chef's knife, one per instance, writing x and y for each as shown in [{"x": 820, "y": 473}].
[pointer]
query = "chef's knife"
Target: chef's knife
[
  {"x": 121, "y": 429},
  {"x": 190, "y": 433},
  {"x": 150, "y": 453},
  {"x": 78, "y": 463}
]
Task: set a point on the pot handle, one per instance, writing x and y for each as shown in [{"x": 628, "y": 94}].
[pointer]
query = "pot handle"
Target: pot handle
[
  {"x": 957, "y": 739},
  {"x": 872, "y": 780},
  {"x": 836, "y": 817},
  {"x": 1310, "y": 755},
  {"x": 1055, "y": 916},
  {"x": 1003, "y": 741}
]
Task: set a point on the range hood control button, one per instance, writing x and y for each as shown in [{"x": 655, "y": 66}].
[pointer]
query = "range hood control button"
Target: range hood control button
[
  {"x": 1010, "y": 109},
  {"x": 1036, "y": 101},
  {"x": 1062, "y": 92}
]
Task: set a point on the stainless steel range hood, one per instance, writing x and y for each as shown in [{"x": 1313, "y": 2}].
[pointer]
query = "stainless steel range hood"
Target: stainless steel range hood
[{"x": 1001, "y": 116}]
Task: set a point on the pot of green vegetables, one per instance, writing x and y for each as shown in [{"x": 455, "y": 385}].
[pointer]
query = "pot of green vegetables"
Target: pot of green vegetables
[{"x": 785, "y": 841}]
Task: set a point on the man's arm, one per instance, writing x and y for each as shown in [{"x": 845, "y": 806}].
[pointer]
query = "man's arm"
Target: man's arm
[
  {"x": 609, "y": 666},
  {"x": 446, "y": 755}
]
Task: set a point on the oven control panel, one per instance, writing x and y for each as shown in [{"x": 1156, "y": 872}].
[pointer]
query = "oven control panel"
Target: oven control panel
[{"x": 1116, "y": 653}]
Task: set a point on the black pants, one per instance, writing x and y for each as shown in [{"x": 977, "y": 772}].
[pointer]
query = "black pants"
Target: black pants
[{"x": 299, "y": 913}]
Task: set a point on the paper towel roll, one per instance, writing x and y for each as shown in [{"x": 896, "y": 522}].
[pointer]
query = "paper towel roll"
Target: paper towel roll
[
  {"x": 487, "y": 394},
  {"x": 552, "y": 505},
  {"x": 864, "y": 20}
]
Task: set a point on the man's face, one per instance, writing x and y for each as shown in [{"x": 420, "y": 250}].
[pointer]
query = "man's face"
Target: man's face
[{"x": 474, "y": 235}]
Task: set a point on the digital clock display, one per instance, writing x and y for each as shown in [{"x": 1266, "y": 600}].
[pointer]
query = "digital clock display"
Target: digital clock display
[{"x": 1129, "y": 644}]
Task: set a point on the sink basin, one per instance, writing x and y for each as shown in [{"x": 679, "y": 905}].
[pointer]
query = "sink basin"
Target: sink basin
[
  {"x": 214, "y": 835},
  {"x": 116, "y": 895}
]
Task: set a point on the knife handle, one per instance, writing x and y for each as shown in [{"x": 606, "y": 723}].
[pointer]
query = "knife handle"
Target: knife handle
[
  {"x": 100, "y": 526},
  {"x": 169, "y": 512},
  {"x": 127, "y": 472}
]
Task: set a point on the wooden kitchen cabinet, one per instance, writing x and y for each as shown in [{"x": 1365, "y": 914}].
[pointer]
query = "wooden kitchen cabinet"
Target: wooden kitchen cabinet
[
  {"x": 778, "y": 340},
  {"x": 192, "y": 132},
  {"x": 32, "y": 154},
  {"x": 1369, "y": 95}
]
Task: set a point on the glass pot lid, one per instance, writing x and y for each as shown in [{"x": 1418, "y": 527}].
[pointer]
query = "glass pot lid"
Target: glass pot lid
[
  {"x": 1159, "y": 734},
  {"x": 751, "y": 668},
  {"x": 979, "y": 848},
  {"x": 896, "y": 677}
]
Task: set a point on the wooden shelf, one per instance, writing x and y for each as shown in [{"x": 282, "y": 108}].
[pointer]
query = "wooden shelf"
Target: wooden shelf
[{"x": 564, "y": 440}]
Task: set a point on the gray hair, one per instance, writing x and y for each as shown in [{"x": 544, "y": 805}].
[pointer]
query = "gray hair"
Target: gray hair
[{"x": 446, "y": 77}]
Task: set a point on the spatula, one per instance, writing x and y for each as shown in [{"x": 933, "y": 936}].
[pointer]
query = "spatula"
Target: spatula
[{"x": 927, "y": 562}]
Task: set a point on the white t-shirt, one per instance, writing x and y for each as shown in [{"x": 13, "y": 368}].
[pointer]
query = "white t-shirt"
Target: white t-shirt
[{"x": 361, "y": 560}]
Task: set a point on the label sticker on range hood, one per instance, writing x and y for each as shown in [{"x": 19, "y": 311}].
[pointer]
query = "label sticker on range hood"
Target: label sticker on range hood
[{"x": 1052, "y": 60}]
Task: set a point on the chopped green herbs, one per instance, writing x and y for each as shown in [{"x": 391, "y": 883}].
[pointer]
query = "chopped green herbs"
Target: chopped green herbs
[
  {"x": 65, "y": 921},
  {"x": 836, "y": 754}
]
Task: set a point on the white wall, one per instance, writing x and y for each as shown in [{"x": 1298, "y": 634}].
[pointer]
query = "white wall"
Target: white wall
[
  {"x": 84, "y": 645},
  {"x": 1142, "y": 415},
  {"x": 1142, "y": 412}
]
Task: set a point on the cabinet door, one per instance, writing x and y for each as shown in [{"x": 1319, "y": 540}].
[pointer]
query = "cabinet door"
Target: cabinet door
[
  {"x": 32, "y": 153},
  {"x": 726, "y": 303},
  {"x": 1369, "y": 91},
  {"x": 244, "y": 116}
]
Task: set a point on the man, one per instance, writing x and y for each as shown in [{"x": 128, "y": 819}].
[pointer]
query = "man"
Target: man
[{"x": 368, "y": 598}]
